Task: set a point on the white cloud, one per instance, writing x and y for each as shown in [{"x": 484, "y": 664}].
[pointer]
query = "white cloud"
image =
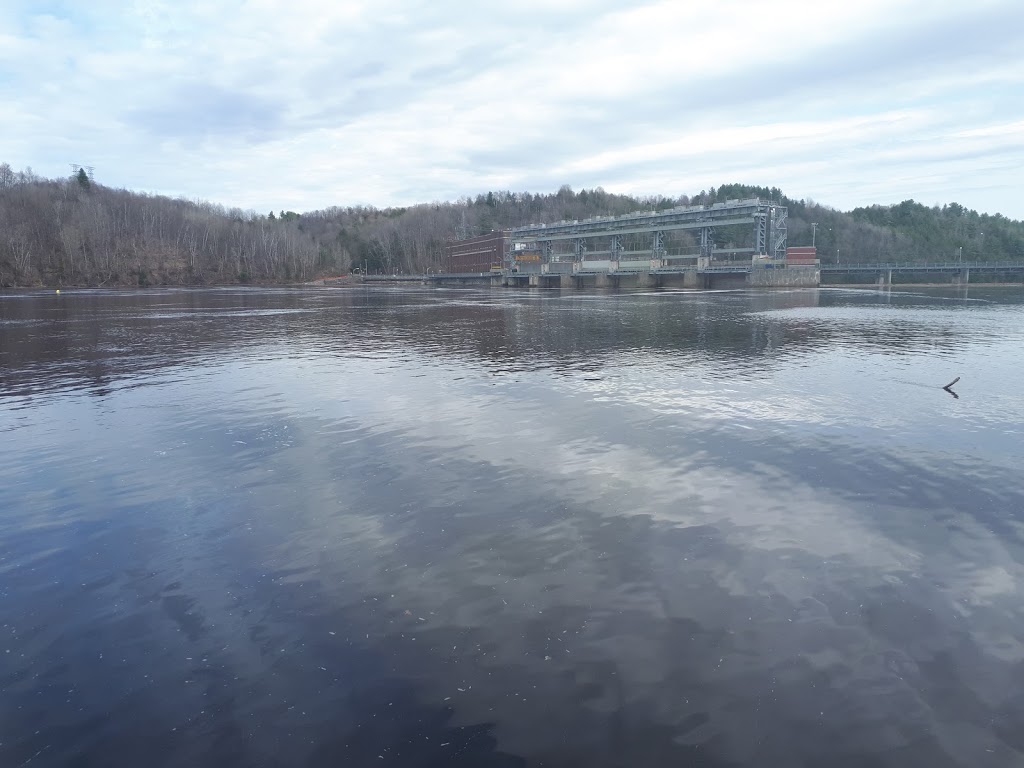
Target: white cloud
[{"x": 303, "y": 104}]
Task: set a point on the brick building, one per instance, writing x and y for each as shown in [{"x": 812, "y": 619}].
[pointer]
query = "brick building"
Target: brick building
[{"x": 476, "y": 254}]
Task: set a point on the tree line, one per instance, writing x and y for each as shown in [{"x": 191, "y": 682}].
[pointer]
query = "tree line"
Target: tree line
[{"x": 74, "y": 231}]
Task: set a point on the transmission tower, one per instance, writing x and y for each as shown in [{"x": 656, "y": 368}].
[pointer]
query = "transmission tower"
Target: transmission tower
[{"x": 89, "y": 170}]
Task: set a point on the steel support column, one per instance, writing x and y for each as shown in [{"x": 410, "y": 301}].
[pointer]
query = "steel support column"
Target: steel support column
[
  {"x": 761, "y": 234},
  {"x": 658, "y": 245},
  {"x": 779, "y": 232},
  {"x": 616, "y": 247},
  {"x": 581, "y": 249},
  {"x": 707, "y": 242}
]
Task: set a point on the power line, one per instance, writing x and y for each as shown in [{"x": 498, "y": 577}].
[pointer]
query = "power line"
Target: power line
[{"x": 89, "y": 170}]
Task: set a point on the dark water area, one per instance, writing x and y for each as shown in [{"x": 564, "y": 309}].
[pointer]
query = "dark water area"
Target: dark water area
[{"x": 374, "y": 527}]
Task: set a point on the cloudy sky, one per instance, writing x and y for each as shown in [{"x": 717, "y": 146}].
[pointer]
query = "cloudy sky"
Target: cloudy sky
[{"x": 306, "y": 104}]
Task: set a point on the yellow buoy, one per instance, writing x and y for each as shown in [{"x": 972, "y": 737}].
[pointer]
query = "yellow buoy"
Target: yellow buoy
[{"x": 58, "y": 290}]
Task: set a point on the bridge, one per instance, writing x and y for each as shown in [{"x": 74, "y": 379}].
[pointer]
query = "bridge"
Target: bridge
[
  {"x": 939, "y": 266},
  {"x": 960, "y": 270}
]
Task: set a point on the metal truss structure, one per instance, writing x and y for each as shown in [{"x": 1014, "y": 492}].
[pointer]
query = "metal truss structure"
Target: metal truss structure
[{"x": 768, "y": 219}]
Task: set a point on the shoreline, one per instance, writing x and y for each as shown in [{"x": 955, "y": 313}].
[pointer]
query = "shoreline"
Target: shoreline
[{"x": 347, "y": 281}]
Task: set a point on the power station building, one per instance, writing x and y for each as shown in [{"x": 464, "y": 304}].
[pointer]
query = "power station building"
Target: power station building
[{"x": 476, "y": 254}]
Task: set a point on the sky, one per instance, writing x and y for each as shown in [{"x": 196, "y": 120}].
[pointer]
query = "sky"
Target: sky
[{"x": 302, "y": 105}]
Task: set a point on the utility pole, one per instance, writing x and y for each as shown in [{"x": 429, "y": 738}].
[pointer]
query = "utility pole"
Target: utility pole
[{"x": 814, "y": 231}]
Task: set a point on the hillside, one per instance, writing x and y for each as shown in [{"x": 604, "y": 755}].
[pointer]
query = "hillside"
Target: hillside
[{"x": 77, "y": 232}]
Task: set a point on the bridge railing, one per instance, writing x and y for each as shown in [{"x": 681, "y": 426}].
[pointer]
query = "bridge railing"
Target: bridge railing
[{"x": 943, "y": 266}]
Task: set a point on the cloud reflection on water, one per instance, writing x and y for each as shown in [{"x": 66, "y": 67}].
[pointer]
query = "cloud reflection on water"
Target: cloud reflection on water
[{"x": 674, "y": 548}]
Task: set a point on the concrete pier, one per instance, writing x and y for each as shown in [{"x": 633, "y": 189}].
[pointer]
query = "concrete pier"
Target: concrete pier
[
  {"x": 636, "y": 275},
  {"x": 694, "y": 279},
  {"x": 788, "y": 277},
  {"x": 647, "y": 280}
]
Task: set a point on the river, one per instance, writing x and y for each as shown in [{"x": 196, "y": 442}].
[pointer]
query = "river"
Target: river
[{"x": 425, "y": 527}]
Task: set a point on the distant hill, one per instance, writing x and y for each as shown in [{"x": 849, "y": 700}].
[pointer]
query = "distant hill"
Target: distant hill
[{"x": 75, "y": 231}]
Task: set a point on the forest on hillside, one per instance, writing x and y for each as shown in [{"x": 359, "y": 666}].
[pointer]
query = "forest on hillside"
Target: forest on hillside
[{"x": 74, "y": 231}]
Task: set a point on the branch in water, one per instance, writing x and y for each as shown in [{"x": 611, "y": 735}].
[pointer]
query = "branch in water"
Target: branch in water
[{"x": 954, "y": 381}]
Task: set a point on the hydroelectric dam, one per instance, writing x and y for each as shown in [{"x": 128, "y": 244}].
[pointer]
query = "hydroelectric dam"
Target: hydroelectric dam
[{"x": 730, "y": 244}]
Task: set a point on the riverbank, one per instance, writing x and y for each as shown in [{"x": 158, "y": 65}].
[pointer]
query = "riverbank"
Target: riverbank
[{"x": 127, "y": 286}]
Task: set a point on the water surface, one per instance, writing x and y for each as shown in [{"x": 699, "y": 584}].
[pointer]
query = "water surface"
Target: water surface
[{"x": 498, "y": 528}]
